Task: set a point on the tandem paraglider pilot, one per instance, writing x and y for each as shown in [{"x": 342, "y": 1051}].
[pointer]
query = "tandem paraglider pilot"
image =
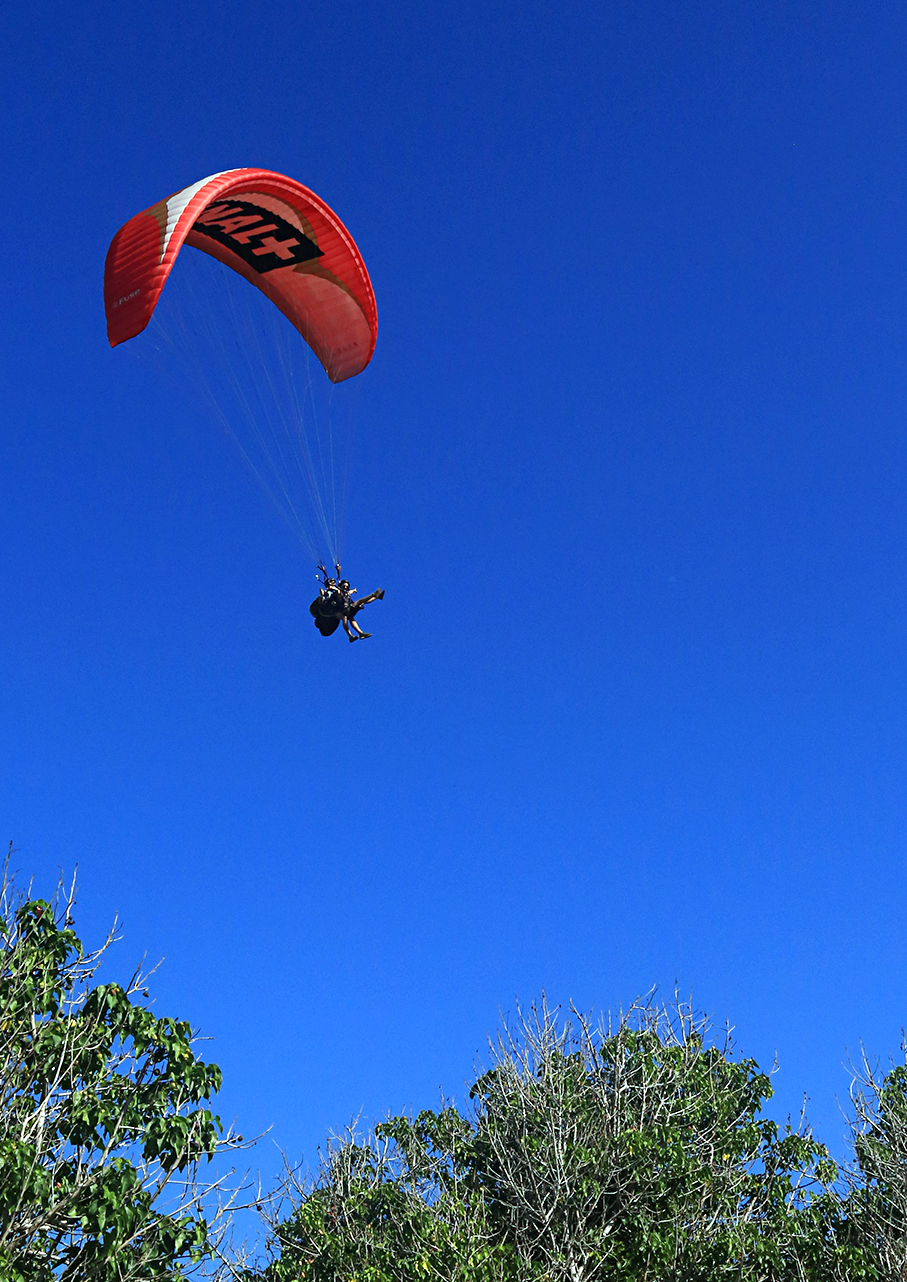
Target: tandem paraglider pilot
[{"x": 334, "y": 605}]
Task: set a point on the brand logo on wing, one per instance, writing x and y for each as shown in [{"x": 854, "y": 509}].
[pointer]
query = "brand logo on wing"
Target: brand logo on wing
[{"x": 260, "y": 238}]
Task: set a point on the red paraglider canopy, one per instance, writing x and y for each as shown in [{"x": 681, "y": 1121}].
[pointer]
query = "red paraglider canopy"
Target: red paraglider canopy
[{"x": 268, "y": 228}]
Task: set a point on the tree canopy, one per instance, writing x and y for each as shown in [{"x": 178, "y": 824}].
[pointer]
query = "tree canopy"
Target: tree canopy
[
  {"x": 602, "y": 1153},
  {"x": 104, "y": 1115},
  {"x": 629, "y": 1150}
]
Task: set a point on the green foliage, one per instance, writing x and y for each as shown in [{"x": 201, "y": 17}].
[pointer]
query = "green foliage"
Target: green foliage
[
  {"x": 640, "y": 1156},
  {"x": 403, "y": 1207},
  {"x": 877, "y": 1203},
  {"x": 637, "y": 1153},
  {"x": 102, "y": 1108}
]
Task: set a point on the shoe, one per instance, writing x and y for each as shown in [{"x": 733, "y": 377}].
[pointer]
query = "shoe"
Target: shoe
[
  {"x": 352, "y": 638},
  {"x": 363, "y": 635},
  {"x": 379, "y": 596}
]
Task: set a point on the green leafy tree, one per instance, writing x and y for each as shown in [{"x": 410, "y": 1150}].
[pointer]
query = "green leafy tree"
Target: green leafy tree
[
  {"x": 589, "y": 1154},
  {"x": 103, "y": 1114},
  {"x": 877, "y": 1204}
]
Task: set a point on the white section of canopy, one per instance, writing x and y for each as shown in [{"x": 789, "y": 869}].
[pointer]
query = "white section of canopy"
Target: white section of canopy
[{"x": 177, "y": 204}]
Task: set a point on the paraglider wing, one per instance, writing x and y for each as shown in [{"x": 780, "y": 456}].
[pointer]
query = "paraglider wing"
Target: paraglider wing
[{"x": 273, "y": 231}]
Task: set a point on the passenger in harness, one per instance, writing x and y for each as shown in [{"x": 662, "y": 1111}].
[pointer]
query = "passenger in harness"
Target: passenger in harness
[{"x": 334, "y": 605}]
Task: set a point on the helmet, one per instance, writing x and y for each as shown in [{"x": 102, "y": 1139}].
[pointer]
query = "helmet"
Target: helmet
[
  {"x": 345, "y": 584},
  {"x": 330, "y": 583}
]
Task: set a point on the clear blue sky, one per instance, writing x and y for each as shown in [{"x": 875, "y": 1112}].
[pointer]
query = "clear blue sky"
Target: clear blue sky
[{"x": 636, "y": 418}]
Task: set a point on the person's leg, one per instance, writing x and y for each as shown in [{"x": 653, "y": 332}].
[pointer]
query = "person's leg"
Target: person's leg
[
  {"x": 377, "y": 595},
  {"x": 351, "y": 615},
  {"x": 346, "y": 628}
]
